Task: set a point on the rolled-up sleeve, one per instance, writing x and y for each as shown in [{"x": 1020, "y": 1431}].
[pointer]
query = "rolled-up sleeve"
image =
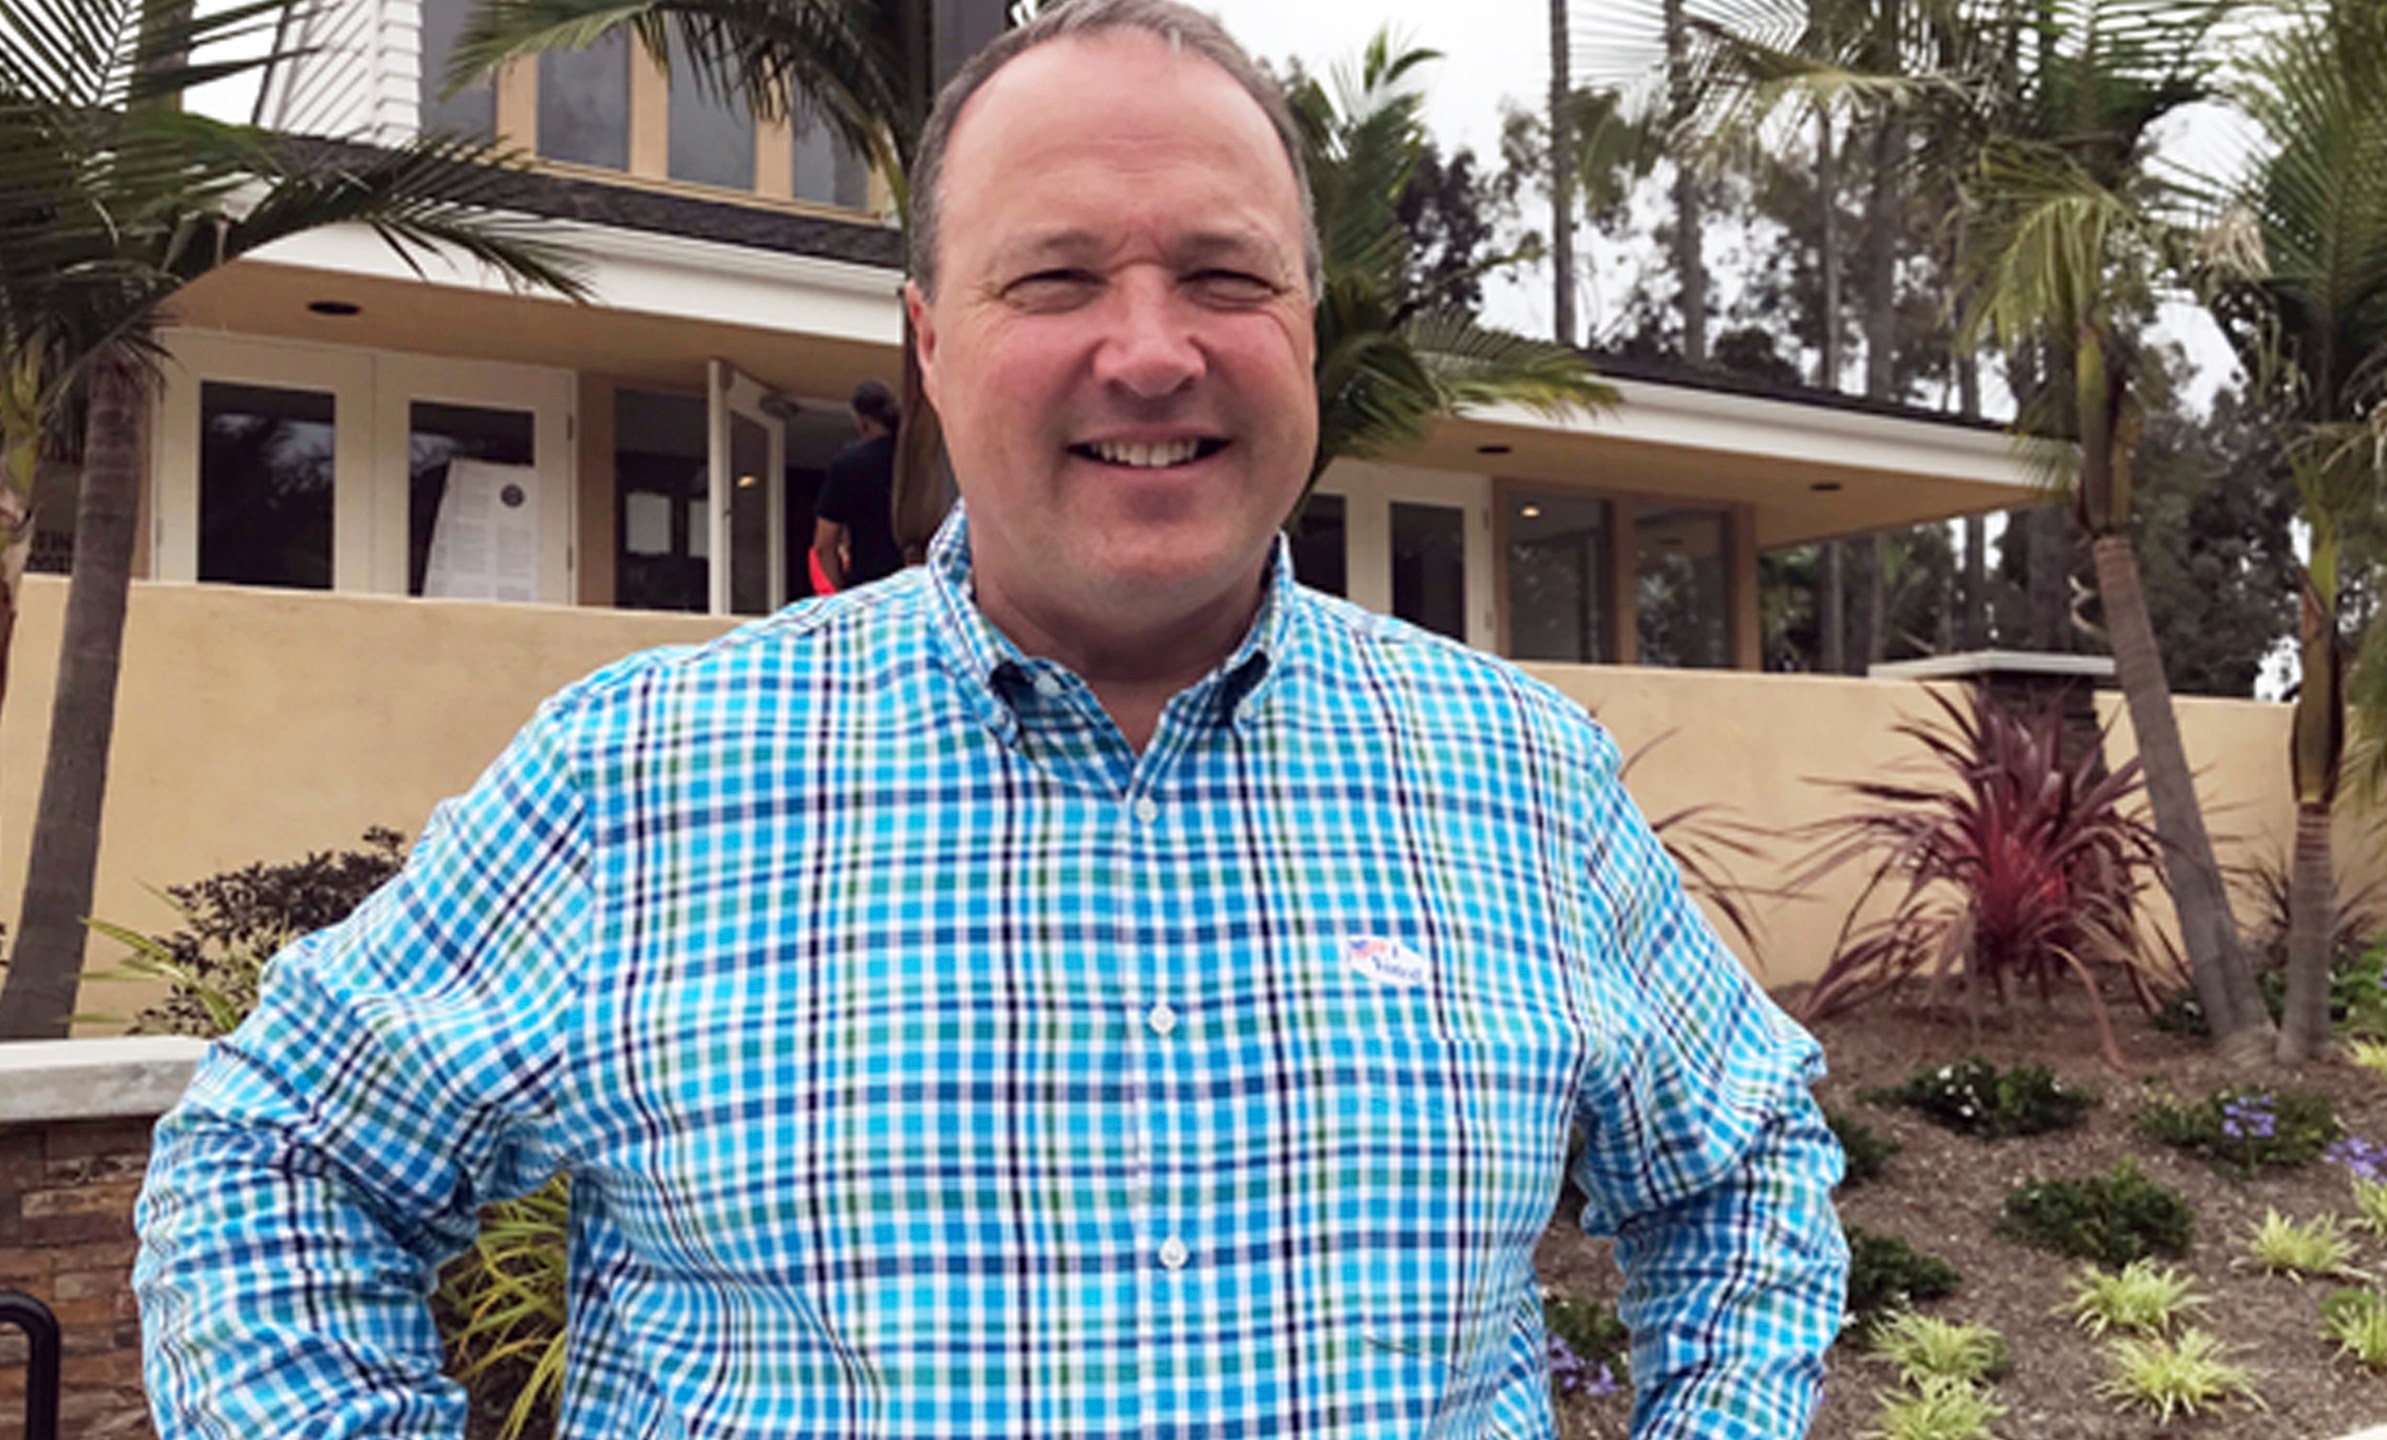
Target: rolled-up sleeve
[
  {"x": 1705, "y": 1154},
  {"x": 397, "y": 1073}
]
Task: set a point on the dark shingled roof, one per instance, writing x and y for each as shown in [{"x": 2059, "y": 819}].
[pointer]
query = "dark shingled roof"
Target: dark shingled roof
[{"x": 1732, "y": 382}]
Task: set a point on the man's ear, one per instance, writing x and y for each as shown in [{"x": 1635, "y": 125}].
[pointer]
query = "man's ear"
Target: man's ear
[{"x": 924, "y": 336}]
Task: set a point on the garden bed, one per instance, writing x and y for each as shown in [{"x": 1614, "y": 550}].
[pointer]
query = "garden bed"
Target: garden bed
[{"x": 1944, "y": 1193}]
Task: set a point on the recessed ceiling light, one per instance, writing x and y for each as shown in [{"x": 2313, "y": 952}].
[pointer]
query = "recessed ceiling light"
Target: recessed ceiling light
[
  {"x": 1491, "y": 449},
  {"x": 1530, "y": 512},
  {"x": 1825, "y": 487},
  {"x": 748, "y": 482},
  {"x": 339, "y": 308}
]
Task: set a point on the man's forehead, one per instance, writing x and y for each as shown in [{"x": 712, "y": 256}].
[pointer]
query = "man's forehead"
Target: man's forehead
[{"x": 1211, "y": 238}]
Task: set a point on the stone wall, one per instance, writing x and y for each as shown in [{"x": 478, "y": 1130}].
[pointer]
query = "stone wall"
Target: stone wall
[{"x": 74, "y": 1139}]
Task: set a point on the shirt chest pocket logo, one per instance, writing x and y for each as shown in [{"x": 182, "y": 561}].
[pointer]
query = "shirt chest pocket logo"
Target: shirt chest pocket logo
[{"x": 1387, "y": 962}]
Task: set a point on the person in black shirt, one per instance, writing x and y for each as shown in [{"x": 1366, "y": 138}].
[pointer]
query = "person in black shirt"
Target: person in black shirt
[{"x": 853, "y": 528}]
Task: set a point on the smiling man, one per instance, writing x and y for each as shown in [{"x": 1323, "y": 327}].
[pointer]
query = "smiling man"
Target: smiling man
[{"x": 1088, "y": 986}]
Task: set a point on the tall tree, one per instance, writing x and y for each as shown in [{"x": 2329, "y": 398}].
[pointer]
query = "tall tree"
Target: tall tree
[
  {"x": 1393, "y": 353},
  {"x": 2306, "y": 302},
  {"x": 111, "y": 200},
  {"x": 1562, "y": 178}
]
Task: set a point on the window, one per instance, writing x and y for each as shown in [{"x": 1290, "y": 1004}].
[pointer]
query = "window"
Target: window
[
  {"x": 1429, "y": 567},
  {"x": 1321, "y": 557},
  {"x": 659, "y": 487},
  {"x": 1679, "y": 587},
  {"x": 472, "y": 111},
  {"x": 712, "y": 136},
  {"x": 584, "y": 104},
  {"x": 436, "y": 435},
  {"x": 1559, "y": 572},
  {"x": 265, "y": 486},
  {"x": 825, "y": 169}
]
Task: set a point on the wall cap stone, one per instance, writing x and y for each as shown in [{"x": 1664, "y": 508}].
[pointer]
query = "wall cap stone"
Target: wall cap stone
[
  {"x": 1980, "y": 664},
  {"x": 131, "y": 1075}
]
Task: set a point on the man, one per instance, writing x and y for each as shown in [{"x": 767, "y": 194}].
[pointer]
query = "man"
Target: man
[
  {"x": 1088, "y": 986},
  {"x": 853, "y": 532}
]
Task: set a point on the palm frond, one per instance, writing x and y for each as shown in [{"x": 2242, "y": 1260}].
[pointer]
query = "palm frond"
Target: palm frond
[{"x": 1474, "y": 364}]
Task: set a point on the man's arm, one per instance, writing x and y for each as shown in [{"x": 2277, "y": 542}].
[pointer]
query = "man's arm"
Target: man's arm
[
  {"x": 1707, "y": 1157},
  {"x": 828, "y": 547},
  {"x": 334, "y": 1149}
]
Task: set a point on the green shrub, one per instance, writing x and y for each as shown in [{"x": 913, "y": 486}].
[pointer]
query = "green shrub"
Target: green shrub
[
  {"x": 500, "y": 1304},
  {"x": 2245, "y": 1129},
  {"x": 1868, "y": 1153},
  {"x": 2112, "y": 1219},
  {"x": 234, "y": 922},
  {"x": 1971, "y": 1097},
  {"x": 1887, "y": 1275}
]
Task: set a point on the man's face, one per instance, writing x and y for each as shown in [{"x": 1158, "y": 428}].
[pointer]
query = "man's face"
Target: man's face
[{"x": 1120, "y": 344}]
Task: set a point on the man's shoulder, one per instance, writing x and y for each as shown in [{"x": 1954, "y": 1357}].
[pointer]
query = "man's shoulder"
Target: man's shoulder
[
  {"x": 849, "y": 636},
  {"x": 1390, "y": 663}
]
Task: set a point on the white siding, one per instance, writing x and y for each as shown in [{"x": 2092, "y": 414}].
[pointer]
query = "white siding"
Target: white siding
[{"x": 356, "y": 79}]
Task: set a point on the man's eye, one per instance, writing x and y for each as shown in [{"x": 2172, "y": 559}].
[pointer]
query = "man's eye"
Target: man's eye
[
  {"x": 1232, "y": 287},
  {"x": 1051, "y": 288}
]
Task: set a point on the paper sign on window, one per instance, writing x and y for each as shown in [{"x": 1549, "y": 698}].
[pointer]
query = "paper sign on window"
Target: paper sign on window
[{"x": 485, "y": 541}]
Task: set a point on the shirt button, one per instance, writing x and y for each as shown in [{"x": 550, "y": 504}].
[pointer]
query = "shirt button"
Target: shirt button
[
  {"x": 1147, "y": 809},
  {"x": 1049, "y": 686},
  {"x": 1161, "y": 1018},
  {"x": 1173, "y": 1253}
]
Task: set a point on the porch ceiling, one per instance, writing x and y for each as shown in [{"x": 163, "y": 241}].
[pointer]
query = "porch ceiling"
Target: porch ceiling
[
  {"x": 1674, "y": 443},
  {"x": 643, "y": 347}
]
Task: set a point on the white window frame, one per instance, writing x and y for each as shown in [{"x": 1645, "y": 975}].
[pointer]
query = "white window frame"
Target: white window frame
[
  {"x": 1370, "y": 490},
  {"x": 373, "y": 391}
]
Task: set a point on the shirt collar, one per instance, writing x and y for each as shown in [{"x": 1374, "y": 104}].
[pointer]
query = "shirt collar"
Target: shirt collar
[{"x": 980, "y": 653}]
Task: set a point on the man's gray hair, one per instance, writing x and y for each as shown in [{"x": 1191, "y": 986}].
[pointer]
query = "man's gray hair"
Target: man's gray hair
[{"x": 1181, "y": 27}]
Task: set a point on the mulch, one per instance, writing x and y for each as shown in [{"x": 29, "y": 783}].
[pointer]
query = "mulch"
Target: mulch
[{"x": 1944, "y": 1192}]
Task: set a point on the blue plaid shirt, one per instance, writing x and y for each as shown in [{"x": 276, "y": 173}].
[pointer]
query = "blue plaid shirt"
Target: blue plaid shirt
[{"x": 928, "y": 1063}]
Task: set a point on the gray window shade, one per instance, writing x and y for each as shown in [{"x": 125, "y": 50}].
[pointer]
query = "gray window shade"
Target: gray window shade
[
  {"x": 584, "y": 104},
  {"x": 470, "y": 112},
  {"x": 712, "y": 138},
  {"x": 826, "y": 170}
]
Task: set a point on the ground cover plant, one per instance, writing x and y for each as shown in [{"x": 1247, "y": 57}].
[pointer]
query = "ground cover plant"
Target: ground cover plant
[
  {"x": 2142, "y": 1298},
  {"x": 2357, "y": 1321},
  {"x": 1924, "y": 1346},
  {"x": 1939, "y": 1408},
  {"x": 1944, "y": 1195},
  {"x": 1887, "y": 1275},
  {"x": 1972, "y": 1097},
  {"x": 2188, "y": 1375},
  {"x": 1868, "y": 1154},
  {"x": 2245, "y": 1129},
  {"x": 2301, "y": 1249},
  {"x": 2113, "y": 1218}
]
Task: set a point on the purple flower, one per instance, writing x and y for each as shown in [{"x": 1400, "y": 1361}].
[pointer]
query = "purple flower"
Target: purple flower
[
  {"x": 1571, "y": 1374},
  {"x": 2249, "y": 1117},
  {"x": 2367, "y": 1160}
]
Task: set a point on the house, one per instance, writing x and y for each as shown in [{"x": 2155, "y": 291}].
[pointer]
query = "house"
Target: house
[{"x": 324, "y": 639}]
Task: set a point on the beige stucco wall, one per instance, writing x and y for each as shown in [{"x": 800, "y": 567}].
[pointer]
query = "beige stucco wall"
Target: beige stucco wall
[{"x": 260, "y": 724}]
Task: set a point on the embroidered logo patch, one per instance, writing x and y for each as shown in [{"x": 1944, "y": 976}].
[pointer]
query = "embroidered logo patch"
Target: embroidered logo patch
[{"x": 1388, "y": 962}]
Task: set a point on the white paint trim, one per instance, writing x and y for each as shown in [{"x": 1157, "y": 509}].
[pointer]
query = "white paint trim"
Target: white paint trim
[
  {"x": 1684, "y": 417},
  {"x": 125, "y": 1077},
  {"x": 666, "y": 275},
  {"x": 1984, "y": 663}
]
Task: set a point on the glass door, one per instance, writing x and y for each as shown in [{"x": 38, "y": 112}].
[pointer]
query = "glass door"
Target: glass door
[
  {"x": 747, "y": 467},
  {"x": 484, "y": 507}
]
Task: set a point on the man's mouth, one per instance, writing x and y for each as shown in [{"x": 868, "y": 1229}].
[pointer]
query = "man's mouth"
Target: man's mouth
[{"x": 1154, "y": 455}]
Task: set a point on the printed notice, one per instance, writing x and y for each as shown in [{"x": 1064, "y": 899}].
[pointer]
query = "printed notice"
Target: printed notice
[{"x": 485, "y": 541}]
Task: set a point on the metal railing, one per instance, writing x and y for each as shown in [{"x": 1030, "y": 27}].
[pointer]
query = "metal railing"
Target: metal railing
[{"x": 41, "y": 1367}]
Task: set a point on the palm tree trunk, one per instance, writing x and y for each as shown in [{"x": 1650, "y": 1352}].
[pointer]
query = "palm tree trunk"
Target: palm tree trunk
[
  {"x": 1690, "y": 218},
  {"x": 2316, "y": 751},
  {"x": 1831, "y": 621},
  {"x": 46, "y": 965},
  {"x": 1562, "y": 178},
  {"x": 1827, "y": 247},
  {"x": 2304, "y": 1019},
  {"x": 2208, "y": 932}
]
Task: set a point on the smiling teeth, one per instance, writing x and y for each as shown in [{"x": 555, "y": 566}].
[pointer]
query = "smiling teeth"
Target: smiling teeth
[{"x": 1147, "y": 457}]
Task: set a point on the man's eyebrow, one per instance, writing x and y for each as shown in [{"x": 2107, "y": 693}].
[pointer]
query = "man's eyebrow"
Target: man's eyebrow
[
  {"x": 1243, "y": 246},
  {"x": 1046, "y": 246}
]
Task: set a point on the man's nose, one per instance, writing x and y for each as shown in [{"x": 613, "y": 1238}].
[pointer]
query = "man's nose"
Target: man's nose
[{"x": 1149, "y": 348}]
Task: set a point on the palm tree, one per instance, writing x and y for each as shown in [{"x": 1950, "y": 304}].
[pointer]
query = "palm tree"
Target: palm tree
[
  {"x": 1389, "y": 360},
  {"x": 2045, "y": 109},
  {"x": 2072, "y": 236},
  {"x": 2306, "y": 305},
  {"x": 111, "y": 200}
]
